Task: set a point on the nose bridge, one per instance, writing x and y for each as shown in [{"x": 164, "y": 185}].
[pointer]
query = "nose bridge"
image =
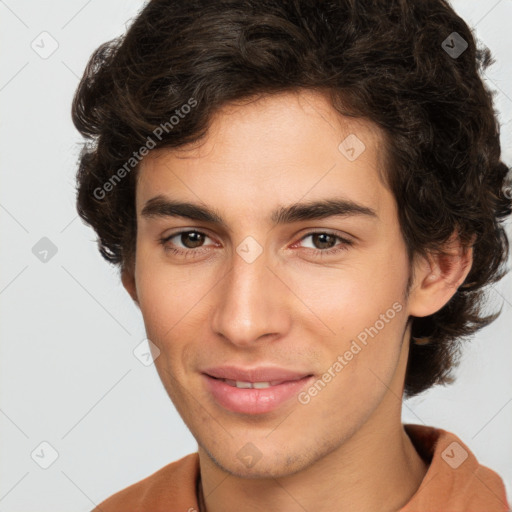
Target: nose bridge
[{"x": 250, "y": 301}]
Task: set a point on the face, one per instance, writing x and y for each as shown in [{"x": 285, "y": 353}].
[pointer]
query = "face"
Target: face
[{"x": 309, "y": 303}]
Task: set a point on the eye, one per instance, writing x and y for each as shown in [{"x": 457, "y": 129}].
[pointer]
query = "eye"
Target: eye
[
  {"x": 191, "y": 243},
  {"x": 324, "y": 243}
]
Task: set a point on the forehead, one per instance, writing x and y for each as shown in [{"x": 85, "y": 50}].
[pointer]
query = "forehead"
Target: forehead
[{"x": 271, "y": 150}]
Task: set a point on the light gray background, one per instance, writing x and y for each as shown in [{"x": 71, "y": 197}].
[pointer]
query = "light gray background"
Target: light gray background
[{"x": 68, "y": 328}]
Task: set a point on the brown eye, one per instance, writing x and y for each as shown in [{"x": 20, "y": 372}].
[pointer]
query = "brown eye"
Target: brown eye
[
  {"x": 186, "y": 244},
  {"x": 324, "y": 243},
  {"x": 192, "y": 239},
  {"x": 323, "y": 240}
]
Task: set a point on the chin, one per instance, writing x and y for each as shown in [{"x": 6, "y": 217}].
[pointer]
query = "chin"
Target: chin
[{"x": 277, "y": 465}]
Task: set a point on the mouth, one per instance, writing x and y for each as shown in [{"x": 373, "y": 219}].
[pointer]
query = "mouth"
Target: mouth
[
  {"x": 253, "y": 396},
  {"x": 240, "y": 384}
]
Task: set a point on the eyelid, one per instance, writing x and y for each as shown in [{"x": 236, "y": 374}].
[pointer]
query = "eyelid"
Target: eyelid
[
  {"x": 326, "y": 231},
  {"x": 165, "y": 238}
]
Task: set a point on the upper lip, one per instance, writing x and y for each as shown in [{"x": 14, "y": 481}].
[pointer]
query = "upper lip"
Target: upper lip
[{"x": 257, "y": 374}]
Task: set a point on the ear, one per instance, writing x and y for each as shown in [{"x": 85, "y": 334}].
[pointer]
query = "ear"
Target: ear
[
  {"x": 437, "y": 277},
  {"x": 128, "y": 280}
]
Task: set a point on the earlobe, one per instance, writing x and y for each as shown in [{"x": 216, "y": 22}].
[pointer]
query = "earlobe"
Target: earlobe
[{"x": 438, "y": 277}]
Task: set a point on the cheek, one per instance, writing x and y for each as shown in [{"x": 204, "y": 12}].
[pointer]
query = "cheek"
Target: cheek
[
  {"x": 164, "y": 298},
  {"x": 344, "y": 300},
  {"x": 360, "y": 312},
  {"x": 167, "y": 306},
  {"x": 359, "y": 367},
  {"x": 165, "y": 291}
]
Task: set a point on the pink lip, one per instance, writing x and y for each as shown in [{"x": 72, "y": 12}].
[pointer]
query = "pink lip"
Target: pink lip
[
  {"x": 258, "y": 374},
  {"x": 251, "y": 400}
]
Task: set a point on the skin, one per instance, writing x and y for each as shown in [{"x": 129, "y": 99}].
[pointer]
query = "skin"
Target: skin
[{"x": 292, "y": 307}]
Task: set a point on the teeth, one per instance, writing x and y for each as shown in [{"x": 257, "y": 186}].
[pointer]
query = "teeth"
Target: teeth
[
  {"x": 242, "y": 384},
  {"x": 261, "y": 385},
  {"x": 248, "y": 385}
]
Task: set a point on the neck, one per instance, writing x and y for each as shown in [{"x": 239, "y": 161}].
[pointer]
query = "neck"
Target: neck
[{"x": 378, "y": 468}]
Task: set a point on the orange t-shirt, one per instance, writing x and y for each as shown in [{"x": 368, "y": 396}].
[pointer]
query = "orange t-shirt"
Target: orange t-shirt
[{"x": 454, "y": 482}]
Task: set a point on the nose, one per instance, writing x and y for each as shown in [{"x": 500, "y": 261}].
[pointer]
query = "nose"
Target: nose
[{"x": 252, "y": 303}]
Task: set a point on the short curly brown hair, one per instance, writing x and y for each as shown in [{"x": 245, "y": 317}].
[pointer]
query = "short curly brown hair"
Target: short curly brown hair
[{"x": 391, "y": 62}]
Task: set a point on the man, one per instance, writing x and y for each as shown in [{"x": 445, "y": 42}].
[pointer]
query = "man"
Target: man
[{"x": 305, "y": 200}]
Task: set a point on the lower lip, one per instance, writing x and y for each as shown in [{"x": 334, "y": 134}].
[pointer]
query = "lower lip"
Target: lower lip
[{"x": 254, "y": 401}]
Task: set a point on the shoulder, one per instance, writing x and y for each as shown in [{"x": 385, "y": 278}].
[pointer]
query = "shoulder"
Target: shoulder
[
  {"x": 170, "y": 488},
  {"x": 455, "y": 480}
]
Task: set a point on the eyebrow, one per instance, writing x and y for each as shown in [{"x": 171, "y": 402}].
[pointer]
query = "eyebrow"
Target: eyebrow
[{"x": 161, "y": 206}]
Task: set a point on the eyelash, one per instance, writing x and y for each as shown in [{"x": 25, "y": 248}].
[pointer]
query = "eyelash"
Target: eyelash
[{"x": 318, "y": 252}]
